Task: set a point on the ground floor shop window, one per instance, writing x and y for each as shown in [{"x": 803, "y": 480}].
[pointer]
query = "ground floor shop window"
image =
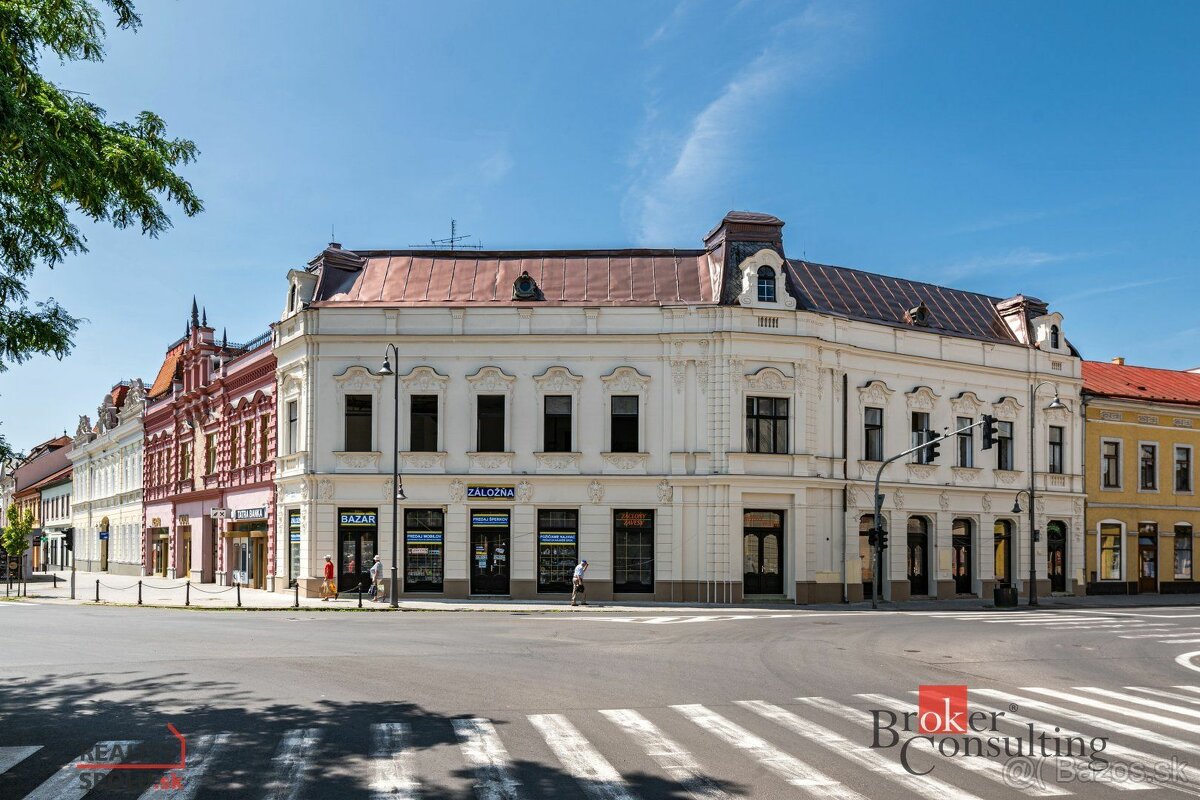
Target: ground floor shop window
[
  {"x": 1183, "y": 552},
  {"x": 358, "y": 537},
  {"x": 248, "y": 554},
  {"x": 293, "y": 546},
  {"x": 558, "y": 549},
  {"x": 159, "y": 551},
  {"x": 1110, "y": 552},
  {"x": 633, "y": 551},
  {"x": 424, "y": 532},
  {"x": 1003, "y": 545}
]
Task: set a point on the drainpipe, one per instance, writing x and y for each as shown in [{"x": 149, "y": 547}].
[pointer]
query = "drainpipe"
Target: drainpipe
[
  {"x": 1083, "y": 403},
  {"x": 845, "y": 485}
]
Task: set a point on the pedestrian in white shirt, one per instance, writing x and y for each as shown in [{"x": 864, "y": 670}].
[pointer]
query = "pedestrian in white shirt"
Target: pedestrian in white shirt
[{"x": 577, "y": 587}]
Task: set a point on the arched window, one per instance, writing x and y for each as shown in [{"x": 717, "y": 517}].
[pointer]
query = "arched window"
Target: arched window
[
  {"x": 1003, "y": 551},
  {"x": 292, "y": 299},
  {"x": 1054, "y": 336},
  {"x": 766, "y": 284}
]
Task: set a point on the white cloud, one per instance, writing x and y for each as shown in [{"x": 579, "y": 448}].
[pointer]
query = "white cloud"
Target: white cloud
[
  {"x": 1017, "y": 258},
  {"x": 1111, "y": 289},
  {"x": 496, "y": 165},
  {"x": 663, "y": 203}
]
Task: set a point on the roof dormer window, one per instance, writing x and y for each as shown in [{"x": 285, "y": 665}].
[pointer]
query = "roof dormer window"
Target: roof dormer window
[
  {"x": 1054, "y": 343},
  {"x": 766, "y": 284}
]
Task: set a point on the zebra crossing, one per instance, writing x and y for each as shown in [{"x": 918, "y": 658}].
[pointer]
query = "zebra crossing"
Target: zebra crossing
[
  {"x": 1161, "y": 628},
  {"x": 804, "y": 746}
]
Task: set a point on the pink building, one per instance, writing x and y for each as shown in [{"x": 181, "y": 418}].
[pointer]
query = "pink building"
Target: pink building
[{"x": 209, "y": 462}]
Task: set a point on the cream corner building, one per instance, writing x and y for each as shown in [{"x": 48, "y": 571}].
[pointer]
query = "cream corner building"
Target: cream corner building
[{"x": 698, "y": 424}]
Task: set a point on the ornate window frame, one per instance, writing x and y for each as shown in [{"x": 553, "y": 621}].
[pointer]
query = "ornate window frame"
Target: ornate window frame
[
  {"x": 423, "y": 380},
  {"x": 768, "y": 381},
  {"x": 557, "y": 381},
  {"x": 491, "y": 380},
  {"x": 622, "y": 381},
  {"x": 359, "y": 380},
  {"x": 749, "y": 270}
]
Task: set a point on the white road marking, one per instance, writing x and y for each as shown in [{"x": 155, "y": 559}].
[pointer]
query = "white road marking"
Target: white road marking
[
  {"x": 790, "y": 768},
  {"x": 1195, "y": 701},
  {"x": 871, "y": 760},
  {"x": 1142, "y": 701},
  {"x": 485, "y": 753},
  {"x": 392, "y": 762},
  {"x": 1093, "y": 703},
  {"x": 985, "y": 767},
  {"x": 674, "y": 760},
  {"x": 291, "y": 762},
  {"x": 1180, "y": 632},
  {"x": 69, "y": 782},
  {"x": 201, "y": 752},
  {"x": 598, "y": 779},
  {"x": 1186, "y": 660},
  {"x": 1179, "y": 641},
  {"x": 11, "y": 756},
  {"x": 1108, "y": 726}
]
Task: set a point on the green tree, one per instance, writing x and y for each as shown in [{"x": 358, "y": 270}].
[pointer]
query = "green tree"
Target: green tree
[
  {"x": 61, "y": 160},
  {"x": 15, "y": 538}
]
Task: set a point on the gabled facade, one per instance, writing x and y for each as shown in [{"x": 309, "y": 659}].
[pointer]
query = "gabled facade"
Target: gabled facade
[
  {"x": 209, "y": 459},
  {"x": 698, "y": 424},
  {"x": 1143, "y": 438},
  {"x": 107, "y": 460}
]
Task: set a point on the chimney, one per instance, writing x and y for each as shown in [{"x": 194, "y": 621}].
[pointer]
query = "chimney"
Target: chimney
[{"x": 1119, "y": 361}]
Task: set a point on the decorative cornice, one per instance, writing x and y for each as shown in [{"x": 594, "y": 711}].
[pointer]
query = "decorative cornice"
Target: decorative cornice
[
  {"x": 558, "y": 380},
  {"x": 491, "y": 379},
  {"x": 874, "y": 393},
  {"x": 424, "y": 379},
  {"x": 627, "y": 380},
  {"x": 358, "y": 379},
  {"x": 769, "y": 379},
  {"x": 921, "y": 398}
]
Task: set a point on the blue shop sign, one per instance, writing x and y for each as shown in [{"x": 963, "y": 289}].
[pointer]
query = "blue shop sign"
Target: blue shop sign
[
  {"x": 295, "y": 537},
  {"x": 435, "y": 538},
  {"x": 492, "y": 492},
  {"x": 558, "y": 539},
  {"x": 356, "y": 518},
  {"x": 103, "y": 536},
  {"x": 490, "y": 520}
]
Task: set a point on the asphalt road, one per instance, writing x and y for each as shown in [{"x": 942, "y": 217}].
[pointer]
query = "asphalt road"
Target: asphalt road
[{"x": 656, "y": 705}]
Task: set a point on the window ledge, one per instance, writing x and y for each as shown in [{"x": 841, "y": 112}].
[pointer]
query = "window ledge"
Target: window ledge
[
  {"x": 625, "y": 463},
  {"x": 557, "y": 462},
  {"x": 354, "y": 461},
  {"x": 1007, "y": 477},
  {"x": 423, "y": 461},
  {"x": 491, "y": 461}
]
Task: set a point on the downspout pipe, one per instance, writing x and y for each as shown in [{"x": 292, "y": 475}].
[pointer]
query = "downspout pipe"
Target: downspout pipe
[{"x": 845, "y": 482}]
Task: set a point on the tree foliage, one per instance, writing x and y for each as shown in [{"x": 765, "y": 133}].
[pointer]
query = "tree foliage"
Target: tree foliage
[
  {"x": 15, "y": 538},
  {"x": 59, "y": 158}
]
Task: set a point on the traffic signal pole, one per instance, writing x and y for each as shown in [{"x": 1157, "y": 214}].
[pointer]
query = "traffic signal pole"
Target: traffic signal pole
[{"x": 929, "y": 446}]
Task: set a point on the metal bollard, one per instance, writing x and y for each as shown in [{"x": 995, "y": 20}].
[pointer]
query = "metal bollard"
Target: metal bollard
[
  {"x": 239, "y": 594},
  {"x": 187, "y": 593},
  {"x": 297, "y": 603},
  {"x": 360, "y": 594},
  {"x": 54, "y": 579},
  {"x": 139, "y": 593},
  {"x": 72, "y": 584},
  {"x": 97, "y": 590}
]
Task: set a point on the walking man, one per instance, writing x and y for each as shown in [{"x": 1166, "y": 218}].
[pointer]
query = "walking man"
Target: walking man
[
  {"x": 327, "y": 587},
  {"x": 577, "y": 587},
  {"x": 377, "y": 579}
]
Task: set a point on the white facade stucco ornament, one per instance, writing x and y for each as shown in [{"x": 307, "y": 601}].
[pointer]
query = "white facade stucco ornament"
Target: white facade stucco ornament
[
  {"x": 458, "y": 491},
  {"x": 944, "y": 501},
  {"x": 679, "y": 374},
  {"x": 596, "y": 491},
  {"x": 665, "y": 491},
  {"x": 987, "y": 502},
  {"x": 524, "y": 492},
  {"x": 768, "y": 379},
  {"x": 749, "y": 268},
  {"x": 324, "y": 490},
  {"x": 491, "y": 379},
  {"x": 626, "y": 380},
  {"x": 558, "y": 380},
  {"x": 921, "y": 398},
  {"x": 966, "y": 404},
  {"x": 874, "y": 393},
  {"x": 898, "y": 499},
  {"x": 358, "y": 380},
  {"x": 424, "y": 379}
]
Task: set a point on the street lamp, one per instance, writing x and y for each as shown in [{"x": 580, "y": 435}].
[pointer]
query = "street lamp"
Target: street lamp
[
  {"x": 398, "y": 494},
  {"x": 1055, "y": 404}
]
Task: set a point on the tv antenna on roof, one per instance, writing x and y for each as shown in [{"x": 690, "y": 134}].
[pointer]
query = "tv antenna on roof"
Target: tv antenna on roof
[{"x": 453, "y": 242}]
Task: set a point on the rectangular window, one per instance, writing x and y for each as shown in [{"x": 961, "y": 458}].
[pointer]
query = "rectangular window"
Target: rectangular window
[
  {"x": 556, "y": 424},
  {"x": 624, "y": 424},
  {"x": 966, "y": 442},
  {"x": 873, "y": 434},
  {"x": 1148, "y": 467},
  {"x": 1004, "y": 445},
  {"x": 633, "y": 551},
  {"x": 264, "y": 437},
  {"x": 489, "y": 423},
  {"x": 921, "y": 434},
  {"x": 1110, "y": 552},
  {"x": 210, "y": 453},
  {"x": 1183, "y": 552},
  {"x": 423, "y": 423},
  {"x": 766, "y": 425},
  {"x": 358, "y": 423},
  {"x": 424, "y": 556},
  {"x": 235, "y": 451},
  {"x": 1055, "y": 462},
  {"x": 293, "y": 546},
  {"x": 1183, "y": 469},
  {"x": 558, "y": 549},
  {"x": 293, "y": 426},
  {"x": 248, "y": 442},
  {"x": 1110, "y": 465},
  {"x": 185, "y": 461}
]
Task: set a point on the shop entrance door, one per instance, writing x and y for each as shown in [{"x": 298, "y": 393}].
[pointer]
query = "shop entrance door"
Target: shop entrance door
[
  {"x": 762, "y": 552},
  {"x": 1147, "y": 564},
  {"x": 184, "y": 568},
  {"x": 866, "y": 557},
  {"x": 104, "y": 553},
  {"x": 490, "y": 534},
  {"x": 357, "y": 549},
  {"x": 258, "y": 578},
  {"x": 960, "y": 541},
  {"x": 1056, "y": 556}
]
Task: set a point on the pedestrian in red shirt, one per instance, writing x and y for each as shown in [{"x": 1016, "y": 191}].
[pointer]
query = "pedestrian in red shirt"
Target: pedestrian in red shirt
[{"x": 328, "y": 589}]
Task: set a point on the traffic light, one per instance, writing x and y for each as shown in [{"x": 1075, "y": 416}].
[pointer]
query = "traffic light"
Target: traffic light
[
  {"x": 989, "y": 431},
  {"x": 931, "y": 449},
  {"x": 872, "y": 537},
  {"x": 882, "y": 536}
]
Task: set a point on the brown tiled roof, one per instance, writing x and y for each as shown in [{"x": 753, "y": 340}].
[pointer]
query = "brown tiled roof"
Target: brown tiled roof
[
  {"x": 166, "y": 373},
  {"x": 879, "y": 298},
  {"x": 57, "y": 477},
  {"x": 565, "y": 277},
  {"x": 1141, "y": 383}
]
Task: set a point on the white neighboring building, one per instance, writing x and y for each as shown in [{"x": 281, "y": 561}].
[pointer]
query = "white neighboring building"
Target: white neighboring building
[
  {"x": 107, "y": 460},
  {"x": 698, "y": 424}
]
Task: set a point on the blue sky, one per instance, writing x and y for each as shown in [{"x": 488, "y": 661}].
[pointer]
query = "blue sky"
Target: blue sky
[{"x": 1044, "y": 148}]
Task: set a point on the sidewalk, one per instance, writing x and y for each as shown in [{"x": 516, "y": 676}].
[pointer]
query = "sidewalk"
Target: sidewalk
[{"x": 161, "y": 592}]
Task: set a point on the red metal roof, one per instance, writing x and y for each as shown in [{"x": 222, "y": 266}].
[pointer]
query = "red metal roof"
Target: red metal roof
[{"x": 1105, "y": 379}]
